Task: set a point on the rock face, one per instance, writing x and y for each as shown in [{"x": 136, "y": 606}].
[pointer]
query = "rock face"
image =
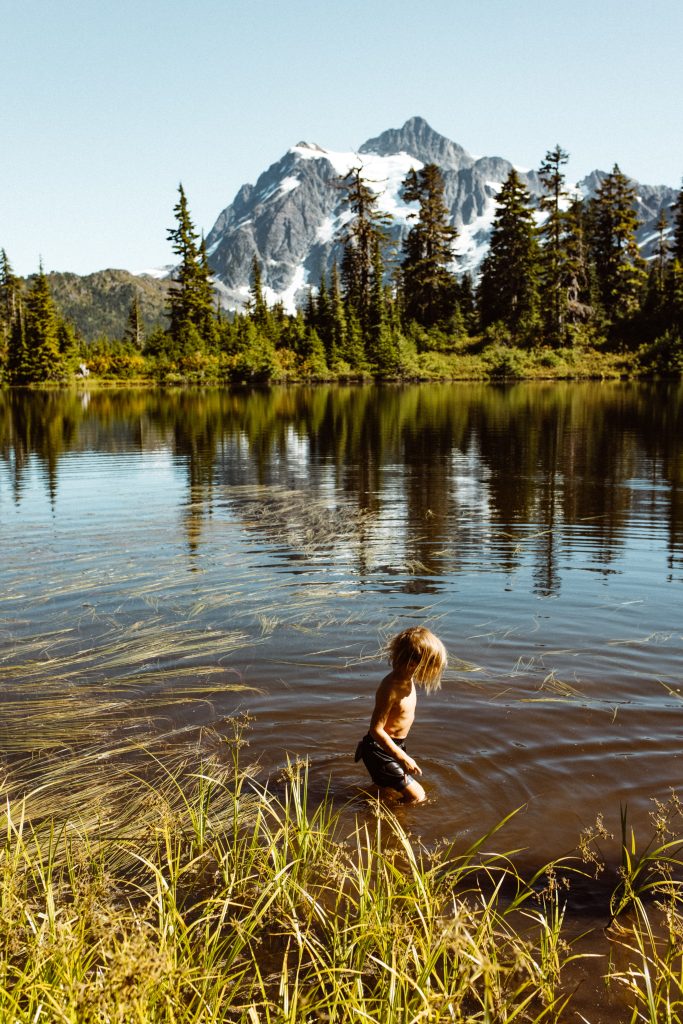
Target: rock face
[{"x": 290, "y": 219}]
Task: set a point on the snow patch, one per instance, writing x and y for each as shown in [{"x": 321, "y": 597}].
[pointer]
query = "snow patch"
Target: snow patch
[
  {"x": 384, "y": 175},
  {"x": 288, "y": 296},
  {"x": 472, "y": 243},
  {"x": 279, "y": 188},
  {"x": 157, "y": 272},
  {"x": 288, "y": 184},
  {"x": 331, "y": 225}
]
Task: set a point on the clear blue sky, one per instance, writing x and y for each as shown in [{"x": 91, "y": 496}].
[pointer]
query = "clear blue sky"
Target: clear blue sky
[{"x": 105, "y": 106}]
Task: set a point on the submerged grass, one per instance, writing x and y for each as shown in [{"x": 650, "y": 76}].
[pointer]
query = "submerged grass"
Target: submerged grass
[
  {"x": 190, "y": 890},
  {"x": 148, "y": 874}
]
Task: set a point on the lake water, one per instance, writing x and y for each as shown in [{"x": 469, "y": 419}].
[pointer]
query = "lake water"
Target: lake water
[{"x": 173, "y": 559}]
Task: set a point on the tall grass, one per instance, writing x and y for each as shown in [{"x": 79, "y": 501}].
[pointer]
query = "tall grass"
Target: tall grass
[
  {"x": 647, "y": 922},
  {"x": 203, "y": 894},
  {"x": 175, "y": 884}
]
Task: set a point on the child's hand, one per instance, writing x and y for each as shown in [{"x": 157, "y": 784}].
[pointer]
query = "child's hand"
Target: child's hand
[{"x": 412, "y": 766}]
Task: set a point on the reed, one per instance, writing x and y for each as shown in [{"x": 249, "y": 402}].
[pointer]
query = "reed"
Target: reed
[
  {"x": 194, "y": 891},
  {"x": 646, "y": 929},
  {"x": 158, "y": 880}
]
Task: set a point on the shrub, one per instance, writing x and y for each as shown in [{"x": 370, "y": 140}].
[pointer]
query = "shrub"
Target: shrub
[{"x": 664, "y": 356}]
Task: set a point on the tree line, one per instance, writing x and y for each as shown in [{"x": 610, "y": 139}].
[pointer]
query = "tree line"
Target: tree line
[{"x": 561, "y": 272}]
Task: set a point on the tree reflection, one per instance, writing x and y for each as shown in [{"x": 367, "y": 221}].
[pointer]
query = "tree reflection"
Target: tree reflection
[{"x": 421, "y": 480}]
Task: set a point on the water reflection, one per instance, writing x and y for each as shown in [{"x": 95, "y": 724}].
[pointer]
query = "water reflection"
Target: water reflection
[
  {"x": 175, "y": 557},
  {"x": 422, "y": 474}
]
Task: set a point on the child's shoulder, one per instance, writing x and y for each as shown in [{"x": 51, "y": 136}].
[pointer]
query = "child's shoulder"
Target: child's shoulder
[{"x": 392, "y": 683}]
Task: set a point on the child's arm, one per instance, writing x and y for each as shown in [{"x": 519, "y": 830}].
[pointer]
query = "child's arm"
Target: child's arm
[{"x": 386, "y": 700}]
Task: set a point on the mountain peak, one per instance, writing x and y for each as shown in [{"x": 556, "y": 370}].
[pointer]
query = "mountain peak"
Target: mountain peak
[
  {"x": 292, "y": 220},
  {"x": 419, "y": 139}
]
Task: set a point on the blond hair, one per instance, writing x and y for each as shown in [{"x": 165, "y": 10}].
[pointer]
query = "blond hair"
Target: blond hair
[{"x": 421, "y": 653}]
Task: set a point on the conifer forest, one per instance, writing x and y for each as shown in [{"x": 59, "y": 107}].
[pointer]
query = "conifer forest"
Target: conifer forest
[{"x": 562, "y": 292}]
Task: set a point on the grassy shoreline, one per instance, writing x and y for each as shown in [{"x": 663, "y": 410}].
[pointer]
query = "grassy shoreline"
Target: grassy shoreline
[
  {"x": 495, "y": 364},
  {"x": 193, "y": 891}
]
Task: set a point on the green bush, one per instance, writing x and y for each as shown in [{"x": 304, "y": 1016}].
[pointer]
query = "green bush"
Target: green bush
[
  {"x": 506, "y": 363},
  {"x": 664, "y": 355}
]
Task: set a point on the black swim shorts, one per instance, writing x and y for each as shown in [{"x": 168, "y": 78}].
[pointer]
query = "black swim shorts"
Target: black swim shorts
[{"x": 384, "y": 769}]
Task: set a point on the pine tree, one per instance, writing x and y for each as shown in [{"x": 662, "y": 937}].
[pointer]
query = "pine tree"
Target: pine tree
[
  {"x": 619, "y": 267},
  {"x": 508, "y": 290},
  {"x": 343, "y": 344},
  {"x": 135, "y": 328},
  {"x": 674, "y": 294},
  {"x": 366, "y": 229},
  {"x": 9, "y": 291},
  {"x": 380, "y": 344},
  {"x": 207, "y": 320},
  {"x": 255, "y": 358},
  {"x": 582, "y": 296},
  {"x": 192, "y": 321},
  {"x": 677, "y": 208},
  {"x": 427, "y": 281},
  {"x": 311, "y": 309},
  {"x": 18, "y": 370},
  {"x": 661, "y": 250},
  {"x": 554, "y": 268},
  {"x": 323, "y": 321},
  {"x": 10, "y": 303},
  {"x": 257, "y": 305},
  {"x": 673, "y": 282},
  {"x": 466, "y": 302},
  {"x": 43, "y": 360}
]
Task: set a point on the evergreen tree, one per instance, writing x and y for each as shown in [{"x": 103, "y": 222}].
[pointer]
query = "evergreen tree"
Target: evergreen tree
[
  {"x": 674, "y": 294},
  {"x": 18, "y": 370},
  {"x": 67, "y": 343},
  {"x": 677, "y": 208},
  {"x": 312, "y": 354},
  {"x": 344, "y": 344},
  {"x": 620, "y": 270},
  {"x": 466, "y": 303},
  {"x": 135, "y": 328},
  {"x": 43, "y": 360},
  {"x": 257, "y": 305},
  {"x": 10, "y": 311},
  {"x": 661, "y": 250},
  {"x": 366, "y": 229},
  {"x": 192, "y": 322},
  {"x": 554, "y": 267},
  {"x": 255, "y": 358},
  {"x": 581, "y": 285},
  {"x": 9, "y": 291},
  {"x": 508, "y": 289},
  {"x": 207, "y": 319},
  {"x": 427, "y": 281},
  {"x": 311, "y": 309},
  {"x": 323, "y": 322},
  {"x": 380, "y": 345}
]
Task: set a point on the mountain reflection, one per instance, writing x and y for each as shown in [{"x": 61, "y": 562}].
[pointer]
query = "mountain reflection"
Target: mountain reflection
[{"x": 407, "y": 478}]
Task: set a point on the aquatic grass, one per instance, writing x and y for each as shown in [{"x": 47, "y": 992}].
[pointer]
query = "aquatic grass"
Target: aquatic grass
[
  {"x": 647, "y": 962},
  {"x": 656, "y": 869},
  {"x": 646, "y": 925},
  {"x": 197, "y": 891}
]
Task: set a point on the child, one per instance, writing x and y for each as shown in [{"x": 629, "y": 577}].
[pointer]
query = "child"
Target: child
[{"x": 415, "y": 656}]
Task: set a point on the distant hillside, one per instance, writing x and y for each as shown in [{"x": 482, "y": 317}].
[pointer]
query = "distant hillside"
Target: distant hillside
[{"x": 99, "y": 304}]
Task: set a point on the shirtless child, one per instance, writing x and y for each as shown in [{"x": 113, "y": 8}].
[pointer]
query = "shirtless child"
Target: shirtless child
[{"x": 415, "y": 656}]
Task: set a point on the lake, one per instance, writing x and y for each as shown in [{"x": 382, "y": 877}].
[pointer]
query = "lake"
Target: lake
[{"x": 173, "y": 559}]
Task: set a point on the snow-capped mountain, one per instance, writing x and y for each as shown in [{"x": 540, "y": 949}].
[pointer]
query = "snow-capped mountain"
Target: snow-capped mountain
[{"x": 290, "y": 219}]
